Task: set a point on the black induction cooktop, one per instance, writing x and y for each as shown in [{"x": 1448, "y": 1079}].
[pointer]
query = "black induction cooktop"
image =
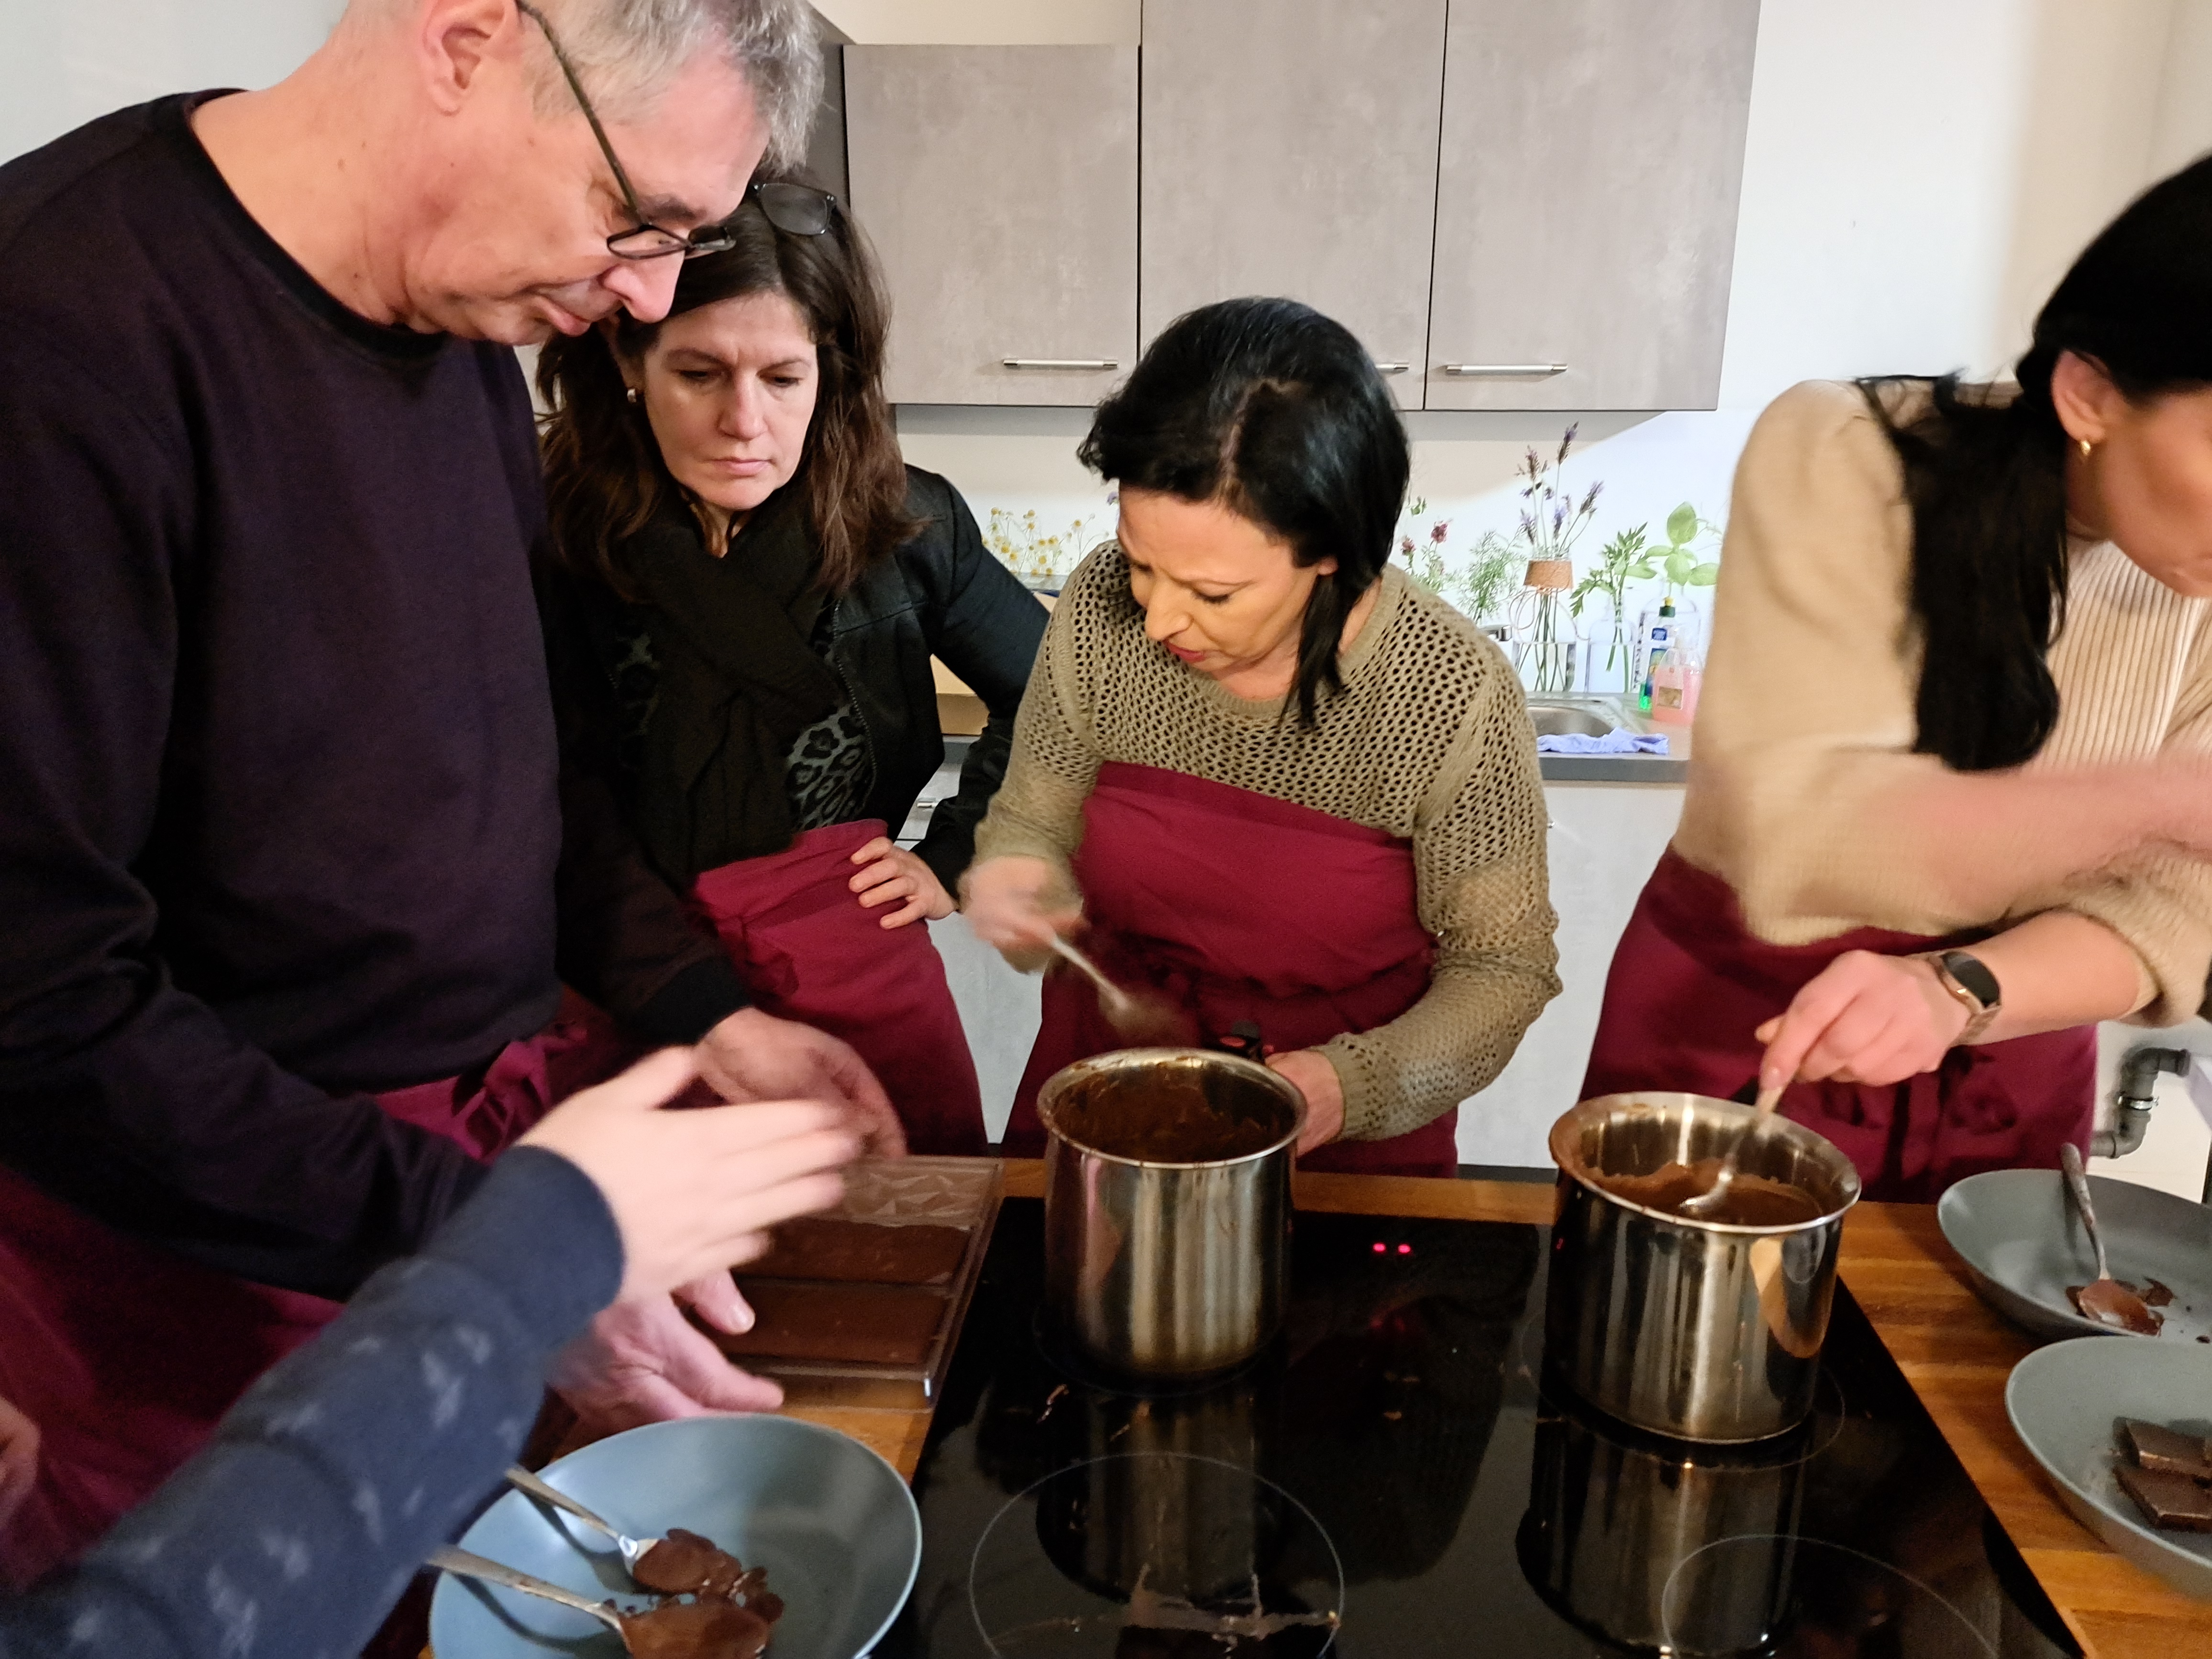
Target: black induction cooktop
[{"x": 1397, "y": 1476}]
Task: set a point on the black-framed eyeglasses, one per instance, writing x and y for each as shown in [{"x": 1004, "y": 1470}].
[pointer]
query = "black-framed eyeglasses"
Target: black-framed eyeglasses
[
  {"x": 644, "y": 239},
  {"x": 799, "y": 209}
]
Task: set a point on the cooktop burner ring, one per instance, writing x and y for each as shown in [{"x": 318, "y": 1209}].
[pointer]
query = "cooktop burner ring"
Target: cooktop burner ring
[
  {"x": 1104, "y": 1623},
  {"x": 1798, "y": 1544}
]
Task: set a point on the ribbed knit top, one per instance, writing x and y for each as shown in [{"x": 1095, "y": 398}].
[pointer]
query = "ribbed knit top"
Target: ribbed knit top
[
  {"x": 1428, "y": 740},
  {"x": 1808, "y": 708}
]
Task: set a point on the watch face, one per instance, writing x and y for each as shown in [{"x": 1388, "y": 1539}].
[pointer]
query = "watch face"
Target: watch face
[{"x": 1969, "y": 972}]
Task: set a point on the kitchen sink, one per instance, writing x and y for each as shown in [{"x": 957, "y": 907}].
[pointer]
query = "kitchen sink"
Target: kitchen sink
[{"x": 1564, "y": 719}]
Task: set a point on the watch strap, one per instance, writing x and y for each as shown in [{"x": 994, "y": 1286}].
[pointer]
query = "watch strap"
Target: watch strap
[{"x": 1967, "y": 980}]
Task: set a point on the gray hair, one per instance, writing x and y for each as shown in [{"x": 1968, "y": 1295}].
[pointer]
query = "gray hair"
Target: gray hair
[{"x": 628, "y": 51}]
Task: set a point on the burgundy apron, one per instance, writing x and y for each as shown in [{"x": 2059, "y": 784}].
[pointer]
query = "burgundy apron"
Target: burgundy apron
[
  {"x": 1238, "y": 907},
  {"x": 1690, "y": 984},
  {"x": 809, "y": 951},
  {"x": 126, "y": 1356}
]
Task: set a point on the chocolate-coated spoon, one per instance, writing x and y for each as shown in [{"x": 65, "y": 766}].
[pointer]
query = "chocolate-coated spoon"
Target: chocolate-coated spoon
[
  {"x": 2104, "y": 1299},
  {"x": 1770, "y": 1097}
]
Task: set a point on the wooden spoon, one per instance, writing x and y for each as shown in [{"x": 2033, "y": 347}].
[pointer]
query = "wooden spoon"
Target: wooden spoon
[{"x": 2104, "y": 1299}]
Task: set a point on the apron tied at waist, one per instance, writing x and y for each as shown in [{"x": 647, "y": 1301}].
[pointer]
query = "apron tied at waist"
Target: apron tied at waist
[
  {"x": 809, "y": 951},
  {"x": 1236, "y": 908},
  {"x": 1690, "y": 983}
]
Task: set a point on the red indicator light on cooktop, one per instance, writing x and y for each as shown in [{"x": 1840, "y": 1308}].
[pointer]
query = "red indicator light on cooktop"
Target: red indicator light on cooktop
[
  {"x": 1404, "y": 1249},
  {"x": 1380, "y": 1248}
]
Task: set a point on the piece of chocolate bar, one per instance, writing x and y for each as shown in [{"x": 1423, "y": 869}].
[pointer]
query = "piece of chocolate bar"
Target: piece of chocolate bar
[
  {"x": 2172, "y": 1502},
  {"x": 2166, "y": 1451},
  {"x": 861, "y": 1252},
  {"x": 882, "y": 1325}
]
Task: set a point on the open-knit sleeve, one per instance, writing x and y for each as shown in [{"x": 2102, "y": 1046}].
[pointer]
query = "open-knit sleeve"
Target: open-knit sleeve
[
  {"x": 1038, "y": 811},
  {"x": 1479, "y": 862}
]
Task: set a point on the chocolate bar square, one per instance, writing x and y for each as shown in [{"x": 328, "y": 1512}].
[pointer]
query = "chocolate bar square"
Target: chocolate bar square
[
  {"x": 861, "y": 1252},
  {"x": 868, "y": 1324},
  {"x": 2166, "y": 1451},
  {"x": 2172, "y": 1502}
]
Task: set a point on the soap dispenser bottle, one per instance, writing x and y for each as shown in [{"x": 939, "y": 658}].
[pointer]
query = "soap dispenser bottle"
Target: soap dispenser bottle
[{"x": 1656, "y": 644}]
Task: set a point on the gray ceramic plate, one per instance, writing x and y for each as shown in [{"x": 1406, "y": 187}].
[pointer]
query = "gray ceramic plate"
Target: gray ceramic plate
[
  {"x": 832, "y": 1522},
  {"x": 2066, "y": 1401},
  {"x": 2025, "y": 1245}
]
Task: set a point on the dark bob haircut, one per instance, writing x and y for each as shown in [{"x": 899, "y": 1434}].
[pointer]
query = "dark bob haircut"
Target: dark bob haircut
[{"x": 1272, "y": 410}]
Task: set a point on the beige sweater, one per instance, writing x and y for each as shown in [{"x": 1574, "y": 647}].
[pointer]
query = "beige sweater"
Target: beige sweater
[
  {"x": 1429, "y": 740},
  {"x": 1807, "y": 707}
]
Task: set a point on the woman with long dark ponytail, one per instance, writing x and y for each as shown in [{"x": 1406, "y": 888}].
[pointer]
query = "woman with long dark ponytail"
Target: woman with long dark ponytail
[{"x": 1947, "y": 807}]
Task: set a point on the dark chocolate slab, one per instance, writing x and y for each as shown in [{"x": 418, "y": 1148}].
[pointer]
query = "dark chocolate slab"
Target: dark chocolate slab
[
  {"x": 2172, "y": 1502},
  {"x": 2166, "y": 1451},
  {"x": 865, "y": 1324},
  {"x": 861, "y": 1252}
]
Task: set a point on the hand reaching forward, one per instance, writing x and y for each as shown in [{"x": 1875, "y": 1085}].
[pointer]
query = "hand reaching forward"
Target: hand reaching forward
[
  {"x": 1017, "y": 905},
  {"x": 756, "y": 1056},
  {"x": 643, "y": 1362},
  {"x": 895, "y": 876},
  {"x": 695, "y": 1192}
]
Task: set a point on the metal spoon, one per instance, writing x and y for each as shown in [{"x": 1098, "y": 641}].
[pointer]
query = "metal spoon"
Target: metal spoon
[
  {"x": 1706, "y": 1202},
  {"x": 1138, "y": 1018},
  {"x": 632, "y": 1549},
  {"x": 466, "y": 1564},
  {"x": 2104, "y": 1299}
]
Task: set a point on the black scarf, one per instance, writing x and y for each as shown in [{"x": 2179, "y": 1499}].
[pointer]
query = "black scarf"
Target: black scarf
[{"x": 739, "y": 680}]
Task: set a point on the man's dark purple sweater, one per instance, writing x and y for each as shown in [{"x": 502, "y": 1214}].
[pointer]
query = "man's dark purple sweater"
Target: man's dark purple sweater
[{"x": 279, "y": 805}]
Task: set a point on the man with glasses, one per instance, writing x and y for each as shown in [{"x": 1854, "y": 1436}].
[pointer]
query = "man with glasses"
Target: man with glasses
[{"x": 279, "y": 815}]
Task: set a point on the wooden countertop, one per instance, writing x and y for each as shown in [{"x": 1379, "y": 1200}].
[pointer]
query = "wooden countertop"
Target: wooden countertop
[{"x": 1954, "y": 1349}]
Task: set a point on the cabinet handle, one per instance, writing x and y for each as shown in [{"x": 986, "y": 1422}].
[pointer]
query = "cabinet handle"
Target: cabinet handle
[
  {"x": 1391, "y": 369},
  {"x": 1502, "y": 371},
  {"x": 1093, "y": 364}
]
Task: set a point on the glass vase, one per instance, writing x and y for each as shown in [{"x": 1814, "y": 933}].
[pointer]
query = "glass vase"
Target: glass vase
[{"x": 1548, "y": 641}]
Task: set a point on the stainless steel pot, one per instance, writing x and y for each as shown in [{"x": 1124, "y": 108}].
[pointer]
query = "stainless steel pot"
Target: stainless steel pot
[
  {"x": 1700, "y": 1330},
  {"x": 1160, "y": 1267}
]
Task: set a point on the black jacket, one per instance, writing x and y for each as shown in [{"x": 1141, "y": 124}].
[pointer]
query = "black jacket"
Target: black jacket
[
  {"x": 945, "y": 595},
  {"x": 941, "y": 594}
]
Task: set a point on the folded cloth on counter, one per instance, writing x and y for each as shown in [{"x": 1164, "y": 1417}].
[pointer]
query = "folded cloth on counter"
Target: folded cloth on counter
[{"x": 1619, "y": 741}]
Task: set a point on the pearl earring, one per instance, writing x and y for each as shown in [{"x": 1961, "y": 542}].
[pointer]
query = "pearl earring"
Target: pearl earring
[
  {"x": 632, "y": 395},
  {"x": 2085, "y": 444}
]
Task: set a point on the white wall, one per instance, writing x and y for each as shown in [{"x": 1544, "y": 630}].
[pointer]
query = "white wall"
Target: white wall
[{"x": 63, "y": 62}]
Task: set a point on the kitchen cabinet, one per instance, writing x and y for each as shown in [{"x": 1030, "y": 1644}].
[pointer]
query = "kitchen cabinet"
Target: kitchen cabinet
[
  {"x": 1591, "y": 161},
  {"x": 999, "y": 184},
  {"x": 1288, "y": 150}
]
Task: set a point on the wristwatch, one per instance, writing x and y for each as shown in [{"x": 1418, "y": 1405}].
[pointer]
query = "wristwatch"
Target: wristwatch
[{"x": 1973, "y": 986}]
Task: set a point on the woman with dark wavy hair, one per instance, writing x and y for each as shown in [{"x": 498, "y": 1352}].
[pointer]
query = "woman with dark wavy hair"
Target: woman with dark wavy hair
[
  {"x": 1947, "y": 807},
  {"x": 1296, "y": 794},
  {"x": 749, "y": 586}
]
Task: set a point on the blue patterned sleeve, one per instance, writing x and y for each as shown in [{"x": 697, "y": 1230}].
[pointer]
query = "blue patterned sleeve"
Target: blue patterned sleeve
[{"x": 297, "y": 1527}]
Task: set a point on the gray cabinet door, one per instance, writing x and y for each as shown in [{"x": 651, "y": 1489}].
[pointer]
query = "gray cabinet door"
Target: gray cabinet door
[
  {"x": 1288, "y": 148},
  {"x": 999, "y": 184},
  {"x": 1586, "y": 202}
]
